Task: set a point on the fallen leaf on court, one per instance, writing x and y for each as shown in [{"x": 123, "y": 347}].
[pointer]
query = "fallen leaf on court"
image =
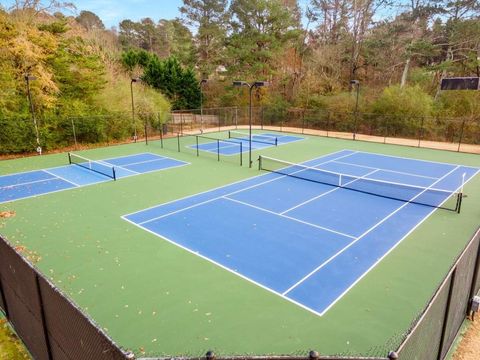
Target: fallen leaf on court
[{"x": 7, "y": 214}]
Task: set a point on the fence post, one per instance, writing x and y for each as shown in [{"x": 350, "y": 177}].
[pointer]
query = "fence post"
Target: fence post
[
  {"x": 445, "y": 316},
  {"x": 262, "y": 119},
  {"x": 4, "y": 299},
  {"x": 303, "y": 120},
  {"x": 146, "y": 134},
  {"x": 386, "y": 131},
  {"x": 181, "y": 124},
  {"x": 420, "y": 134},
  {"x": 178, "y": 142},
  {"x": 74, "y": 132},
  {"x": 475, "y": 274},
  {"x": 236, "y": 118},
  {"x": 328, "y": 122},
  {"x": 42, "y": 317},
  {"x": 461, "y": 134}
]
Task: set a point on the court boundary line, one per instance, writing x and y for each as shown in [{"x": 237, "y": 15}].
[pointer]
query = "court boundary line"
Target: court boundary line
[
  {"x": 428, "y": 161},
  {"x": 282, "y": 295},
  {"x": 215, "y": 198},
  {"x": 392, "y": 171},
  {"x": 328, "y": 192},
  {"x": 30, "y": 182},
  {"x": 183, "y": 163},
  {"x": 390, "y": 250},
  {"x": 245, "y": 147},
  {"x": 223, "y": 267},
  {"x": 366, "y": 232},
  {"x": 288, "y": 217},
  {"x": 218, "y": 187},
  {"x": 139, "y": 225},
  {"x": 62, "y": 178},
  {"x": 161, "y": 157}
]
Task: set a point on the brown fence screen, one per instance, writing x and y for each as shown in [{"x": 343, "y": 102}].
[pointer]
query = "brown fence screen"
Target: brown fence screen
[{"x": 49, "y": 324}]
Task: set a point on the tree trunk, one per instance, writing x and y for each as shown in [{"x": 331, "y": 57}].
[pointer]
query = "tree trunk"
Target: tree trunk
[{"x": 405, "y": 73}]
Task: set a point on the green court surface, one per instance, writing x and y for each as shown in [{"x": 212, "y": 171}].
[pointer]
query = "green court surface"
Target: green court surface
[{"x": 155, "y": 298}]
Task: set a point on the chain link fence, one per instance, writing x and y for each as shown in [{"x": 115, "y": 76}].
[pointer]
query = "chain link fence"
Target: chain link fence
[{"x": 77, "y": 132}]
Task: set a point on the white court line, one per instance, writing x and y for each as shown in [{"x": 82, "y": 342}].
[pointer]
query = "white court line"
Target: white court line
[
  {"x": 228, "y": 185},
  {"x": 135, "y": 163},
  {"x": 27, "y": 183},
  {"x": 61, "y": 178},
  {"x": 415, "y": 159},
  {"x": 223, "y": 267},
  {"x": 389, "y": 251},
  {"x": 218, "y": 197},
  {"x": 328, "y": 192},
  {"x": 363, "y": 235},
  {"x": 103, "y": 162},
  {"x": 392, "y": 171},
  {"x": 290, "y": 218}
]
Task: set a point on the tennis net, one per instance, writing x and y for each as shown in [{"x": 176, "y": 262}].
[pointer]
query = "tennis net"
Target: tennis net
[
  {"x": 259, "y": 138},
  {"x": 428, "y": 196},
  {"x": 92, "y": 165}
]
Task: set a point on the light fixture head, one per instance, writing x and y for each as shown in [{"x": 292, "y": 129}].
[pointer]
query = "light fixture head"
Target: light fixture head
[
  {"x": 354, "y": 82},
  {"x": 240, "y": 83},
  {"x": 136, "y": 80},
  {"x": 30, "y": 77},
  {"x": 261, "y": 83}
]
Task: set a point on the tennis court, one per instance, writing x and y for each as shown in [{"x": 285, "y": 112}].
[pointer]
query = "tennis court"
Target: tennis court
[
  {"x": 231, "y": 146},
  {"x": 80, "y": 172},
  {"x": 291, "y": 231},
  {"x": 298, "y": 256}
]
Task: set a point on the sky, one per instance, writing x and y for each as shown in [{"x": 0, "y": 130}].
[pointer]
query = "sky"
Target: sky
[{"x": 113, "y": 11}]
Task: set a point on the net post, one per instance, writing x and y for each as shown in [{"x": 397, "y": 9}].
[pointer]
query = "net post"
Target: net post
[
  {"x": 69, "y": 159},
  {"x": 229, "y": 134},
  {"x": 276, "y": 141},
  {"x": 178, "y": 142},
  {"x": 460, "y": 194},
  {"x": 260, "y": 162},
  {"x": 218, "y": 150},
  {"x": 114, "y": 174},
  {"x": 241, "y": 154},
  {"x": 196, "y": 138}
]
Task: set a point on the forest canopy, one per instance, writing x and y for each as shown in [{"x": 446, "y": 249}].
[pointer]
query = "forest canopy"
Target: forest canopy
[{"x": 398, "y": 51}]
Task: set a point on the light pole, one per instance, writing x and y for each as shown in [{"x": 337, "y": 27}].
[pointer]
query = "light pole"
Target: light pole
[
  {"x": 29, "y": 78},
  {"x": 250, "y": 87},
  {"x": 134, "y": 80},
  {"x": 356, "y": 84},
  {"x": 202, "y": 82}
]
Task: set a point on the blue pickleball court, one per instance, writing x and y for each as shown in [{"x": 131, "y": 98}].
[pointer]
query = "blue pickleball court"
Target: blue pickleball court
[
  {"x": 231, "y": 146},
  {"x": 309, "y": 232},
  {"x": 81, "y": 172}
]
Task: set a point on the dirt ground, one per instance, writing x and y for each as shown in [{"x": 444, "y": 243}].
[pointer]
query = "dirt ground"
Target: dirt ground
[{"x": 469, "y": 347}]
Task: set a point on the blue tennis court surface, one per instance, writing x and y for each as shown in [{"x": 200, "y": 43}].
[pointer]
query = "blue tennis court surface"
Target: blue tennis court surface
[
  {"x": 259, "y": 141},
  {"x": 38, "y": 182},
  {"x": 305, "y": 241}
]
